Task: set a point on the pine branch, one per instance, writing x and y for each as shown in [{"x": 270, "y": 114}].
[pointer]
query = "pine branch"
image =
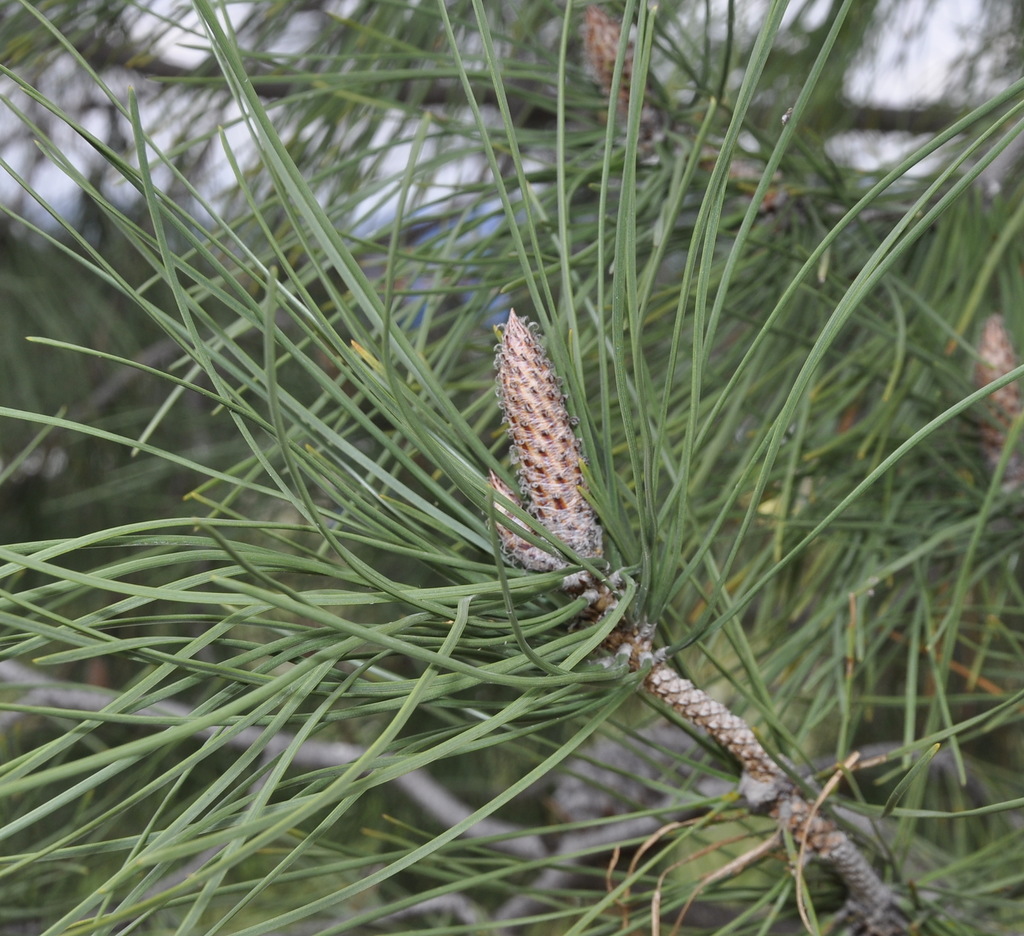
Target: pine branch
[
  {"x": 767, "y": 787},
  {"x": 544, "y": 445}
]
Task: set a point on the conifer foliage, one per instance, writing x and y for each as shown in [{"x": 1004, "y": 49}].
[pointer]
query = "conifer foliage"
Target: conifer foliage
[{"x": 719, "y": 634}]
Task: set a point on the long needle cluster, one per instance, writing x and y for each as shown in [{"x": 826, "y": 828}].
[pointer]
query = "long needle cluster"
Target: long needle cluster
[{"x": 549, "y": 456}]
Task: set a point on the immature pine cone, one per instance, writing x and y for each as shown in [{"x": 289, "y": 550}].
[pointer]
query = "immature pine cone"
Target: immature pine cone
[
  {"x": 546, "y": 450},
  {"x": 601, "y": 34},
  {"x": 996, "y": 357}
]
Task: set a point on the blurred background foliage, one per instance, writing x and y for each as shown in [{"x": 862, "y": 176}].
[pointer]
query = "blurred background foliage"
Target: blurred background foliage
[{"x": 288, "y": 601}]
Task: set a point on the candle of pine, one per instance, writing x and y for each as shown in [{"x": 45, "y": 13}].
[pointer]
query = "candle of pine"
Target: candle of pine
[
  {"x": 997, "y": 357},
  {"x": 544, "y": 447}
]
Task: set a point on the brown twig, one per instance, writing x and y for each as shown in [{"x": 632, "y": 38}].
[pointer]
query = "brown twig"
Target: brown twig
[{"x": 768, "y": 788}]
